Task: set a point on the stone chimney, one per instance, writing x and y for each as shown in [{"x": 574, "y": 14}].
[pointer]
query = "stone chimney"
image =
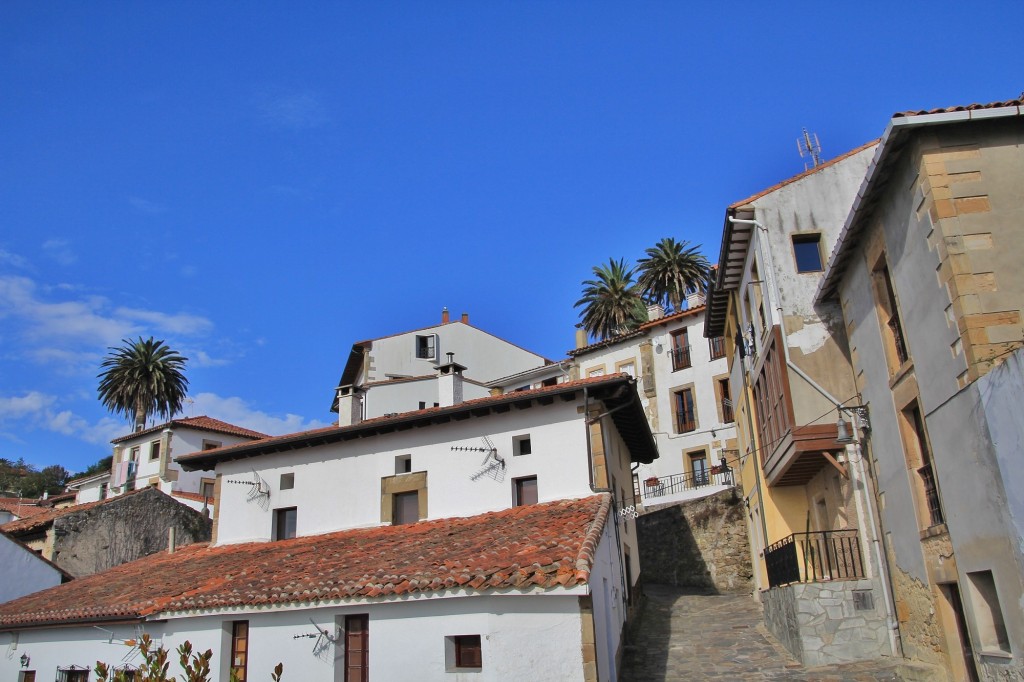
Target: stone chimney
[
  {"x": 694, "y": 299},
  {"x": 655, "y": 311},
  {"x": 444, "y": 316},
  {"x": 350, "y": 405},
  {"x": 449, "y": 382},
  {"x": 581, "y": 336}
]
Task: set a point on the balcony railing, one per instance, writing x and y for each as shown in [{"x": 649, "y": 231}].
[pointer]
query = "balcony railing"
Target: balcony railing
[
  {"x": 814, "y": 557},
  {"x": 931, "y": 494},
  {"x": 680, "y": 358},
  {"x": 663, "y": 486},
  {"x": 727, "y": 415}
]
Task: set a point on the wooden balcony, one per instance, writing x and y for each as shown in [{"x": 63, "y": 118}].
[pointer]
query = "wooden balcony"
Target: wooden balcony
[{"x": 801, "y": 454}]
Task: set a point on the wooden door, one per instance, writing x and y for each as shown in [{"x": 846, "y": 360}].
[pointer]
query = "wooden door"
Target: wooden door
[{"x": 357, "y": 648}]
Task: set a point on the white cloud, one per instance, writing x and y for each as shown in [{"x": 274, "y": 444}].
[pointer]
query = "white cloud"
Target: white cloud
[
  {"x": 146, "y": 206},
  {"x": 32, "y": 404},
  {"x": 64, "y": 361},
  {"x": 39, "y": 410},
  {"x": 182, "y": 323},
  {"x": 201, "y": 358},
  {"x": 60, "y": 251},
  {"x": 237, "y": 411},
  {"x": 13, "y": 259}
]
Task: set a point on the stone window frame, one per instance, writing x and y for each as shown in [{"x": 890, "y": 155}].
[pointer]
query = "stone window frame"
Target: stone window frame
[{"x": 402, "y": 483}]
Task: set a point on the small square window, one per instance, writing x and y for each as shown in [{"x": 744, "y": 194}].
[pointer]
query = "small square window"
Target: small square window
[
  {"x": 807, "y": 250},
  {"x": 463, "y": 652},
  {"x": 284, "y": 523},
  {"x": 154, "y": 450},
  {"x": 521, "y": 445},
  {"x": 287, "y": 481},
  {"x": 403, "y": 464}
]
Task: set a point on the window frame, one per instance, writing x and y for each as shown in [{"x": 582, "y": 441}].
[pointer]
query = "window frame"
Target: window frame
[
  {"x": 681, "y": 354},
  {"x": 517, "y": 445},
  {"x": 282, "y": 514},
  {"x": 287, "y": 481},
  {"x": 471, "y": 647},
  {"x": 397, "y": 500},
  {"x": 154, "y": 450},
  {"x": 238, "y": 636},
  {"x": 517, "y": 491},
  {"x": 678, "y": 408},
  {"x": 803, "y": 239},
  {"x": 426, "y": 346}
]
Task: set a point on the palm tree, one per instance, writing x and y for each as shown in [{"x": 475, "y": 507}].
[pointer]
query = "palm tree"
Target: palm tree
[
  {"x": 143, "y": 378},
  {"x": 611, "y": 303},
  {"x": 670, "y": 270}
]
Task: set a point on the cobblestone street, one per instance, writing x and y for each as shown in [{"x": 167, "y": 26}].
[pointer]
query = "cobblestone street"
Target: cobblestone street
[{"x": 686, "y": 634}]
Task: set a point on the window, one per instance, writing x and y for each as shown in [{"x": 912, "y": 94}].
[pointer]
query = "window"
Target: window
[
  {"x": 525, "y": 491},
  {"x": 716, "y": 345},
  {"x": 467, "y": 652},
  {"x": 626, "y": 367},
  {"x": 210, "y": 444},
  {"x": 133, "y": 454},
  {"x": 552, "y": 381},
  {"x": 72, "y": 673},
  {"x": 154, "y": 450},
  {"x": 892, "y": 329},
  {"x": 287, "y": 481},
  {"x": 27, "y": 676},
  {"x": 685, "y": 411},
  {"x": 357, "y": 648},
  {"x": 406, "y": 508},
  {"x": 988, "y": 615},
  {"x": 239, "y": 649},
  {"x": 699, "y": 468},
  {"x": 521, "y": 445},
  {"x": 726, "y": 401},
  {"x": 403, "y": 464},
  {"x": 680, "y": 350},
  {"x": 596, "y": 371},
  {"x": 206, "y": 487},
  {"x": 807, "y": 251},
  {"x": 103, "y": 491},
  {"x": 771, "y": 399},
  {"x": 284, "y": 523},
  {"x": 426, "y": 347},
  {"x": 919, "y": 458}
]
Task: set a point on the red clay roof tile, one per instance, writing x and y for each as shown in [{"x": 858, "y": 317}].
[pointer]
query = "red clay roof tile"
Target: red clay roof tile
[
  {"x": 548, "y": 545},
  {"x": 202, "y": 423},
  {"x": 21, "y": 508},
  {"x": 44, "y": 519}
]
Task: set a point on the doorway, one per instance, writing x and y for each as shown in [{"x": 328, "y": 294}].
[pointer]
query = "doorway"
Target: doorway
[{"x": 961, "y": 653}]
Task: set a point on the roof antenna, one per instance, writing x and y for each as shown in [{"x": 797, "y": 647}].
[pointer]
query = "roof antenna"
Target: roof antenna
[{"x": 808, "y": 145}]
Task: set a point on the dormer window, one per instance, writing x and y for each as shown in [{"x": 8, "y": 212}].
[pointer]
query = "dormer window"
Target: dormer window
[{"x": 426, "y": 347}]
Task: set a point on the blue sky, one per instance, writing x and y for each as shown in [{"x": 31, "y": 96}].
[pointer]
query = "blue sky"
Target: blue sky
[{"x": 262, "y": 184}]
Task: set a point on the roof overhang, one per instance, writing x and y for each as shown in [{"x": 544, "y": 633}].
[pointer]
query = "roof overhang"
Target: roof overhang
[
  {"x": 897, "y": 134},
  {"x": 736, "y": 239}
]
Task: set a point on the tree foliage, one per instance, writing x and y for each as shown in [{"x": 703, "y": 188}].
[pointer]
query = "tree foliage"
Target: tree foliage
[
  {"x": 671, "y": 269},
  {"x": 142, "y": 378},
  {"x": 22, "y": 479},
  {"x": 611, "y": 302},
  {"x": 155, "y": 665}
]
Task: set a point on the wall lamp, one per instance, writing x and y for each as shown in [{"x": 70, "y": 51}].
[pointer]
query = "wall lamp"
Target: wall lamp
[
  {"x": 25, "y": 660},
  {"x": 843, "y": 432}
]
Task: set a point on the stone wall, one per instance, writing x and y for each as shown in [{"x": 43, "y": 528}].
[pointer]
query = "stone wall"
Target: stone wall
[
  {"x": 123, "y": 529},
  {"x": 697, "y": 543},
  {"x": 820, "y": 623}
]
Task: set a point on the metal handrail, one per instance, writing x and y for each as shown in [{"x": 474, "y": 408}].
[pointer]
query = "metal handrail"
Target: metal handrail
[
  {"x": 681, "y": 358},
  {"x": 662, "y": 486},
  {"x": 817, "y": 556}
]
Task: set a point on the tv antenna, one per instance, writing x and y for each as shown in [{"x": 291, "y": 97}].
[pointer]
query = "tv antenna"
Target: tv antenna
[
  {"x": 808, "y": 146},
  {"x": 324, "y": 639},
  {"x": 259, "y": 490},
  {"x": 493, "y": 464}
]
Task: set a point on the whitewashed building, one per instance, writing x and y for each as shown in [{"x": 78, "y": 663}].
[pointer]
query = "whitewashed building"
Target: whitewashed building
[
  {"x": 683, "y": 380},
  {"x": 396, "y": 373},
  {"x": 483, "y": 540},
  {"x": 23, "y": 571}
]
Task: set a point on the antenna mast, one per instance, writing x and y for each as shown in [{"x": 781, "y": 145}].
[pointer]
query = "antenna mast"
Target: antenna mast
[{"x": 808, "y": 145}]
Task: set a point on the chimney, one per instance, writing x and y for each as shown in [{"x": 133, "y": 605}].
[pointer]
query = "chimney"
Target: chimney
[
  {"x": 170, "y": 540},
  {"x": 449, "y": 382},
  {"x": 655, "y": 311},
  {"x": 581, "y": 336},
  {"x": 350, "y": 405},
  {"x": 694, "y": 299},
  {"x": 465, "y": 318},
  {"x": 444, "y": 316}
]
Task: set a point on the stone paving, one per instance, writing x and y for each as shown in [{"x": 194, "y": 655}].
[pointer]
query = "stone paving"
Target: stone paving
[{"x": 686, "y": 634}]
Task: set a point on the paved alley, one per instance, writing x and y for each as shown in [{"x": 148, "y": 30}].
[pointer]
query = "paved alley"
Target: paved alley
[{"x": 686, "y": 634}]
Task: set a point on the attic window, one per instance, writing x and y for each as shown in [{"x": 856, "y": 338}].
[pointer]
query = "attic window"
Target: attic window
[
  {"x": 426, "y": 347},
  {"x": 521, "y": 445},
  {"x": 807, "y": 251},
  {"x": 287, "y": 481},
  {"x": 403, "y": 464},
  {"x": 463, "y": 652}
]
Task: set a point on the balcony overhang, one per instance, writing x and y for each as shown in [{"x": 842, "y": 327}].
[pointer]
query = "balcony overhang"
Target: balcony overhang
[{"x": 802, "y": 453}]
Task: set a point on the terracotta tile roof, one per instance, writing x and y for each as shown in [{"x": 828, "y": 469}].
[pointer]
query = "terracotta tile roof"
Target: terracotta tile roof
[
  {"x": 547, "y": 545},
  {"x": 21, "y": 508},
  {"x": 190, "y": 496},
  {"x": 639, "y": 331},
  {"x": 1019, "y": 102},
  {"x": 202, "y": 423},
  {"x": 332, "y": 433},
  {"x": 40, "y": 521}
]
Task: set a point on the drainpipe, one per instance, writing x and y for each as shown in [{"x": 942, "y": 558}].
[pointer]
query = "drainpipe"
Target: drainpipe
[{"x": 862, "y": 503}]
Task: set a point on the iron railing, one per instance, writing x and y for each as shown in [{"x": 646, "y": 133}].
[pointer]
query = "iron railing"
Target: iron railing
[
  {"x": 931, "y": 494},
  {"x": 818, "y": 556},
  {"x": 717, "y": 345},
  {"x": 662, "y": 486},
  {"x": 680, "y": 358}
]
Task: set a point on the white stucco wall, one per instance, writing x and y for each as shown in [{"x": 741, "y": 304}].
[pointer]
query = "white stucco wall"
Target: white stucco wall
[
  {"x": 339, "y": 486},
  {"x": 22, "y": 571},
  {"x": 406, "y": 396},
  {"x": 530, "y": 638}
]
